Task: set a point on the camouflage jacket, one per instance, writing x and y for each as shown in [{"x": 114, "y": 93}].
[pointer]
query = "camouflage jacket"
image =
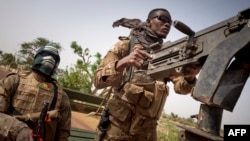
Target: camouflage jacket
[
  {"x": 106, "y": 75},
  {"x": 137, "y": 103},
  {"x": 27, "y": 99}
]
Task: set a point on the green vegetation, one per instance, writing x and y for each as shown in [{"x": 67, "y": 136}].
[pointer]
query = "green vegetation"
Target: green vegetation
[
  {"x": 167, "y": 129},
  {"x": 79, "y": 77}
]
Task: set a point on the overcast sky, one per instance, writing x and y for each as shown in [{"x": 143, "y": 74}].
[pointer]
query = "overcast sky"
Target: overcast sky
[{"x": 89, "y": 23}]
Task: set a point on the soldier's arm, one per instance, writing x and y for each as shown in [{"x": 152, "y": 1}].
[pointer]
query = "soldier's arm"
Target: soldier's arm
[
  {"x": 106, "y": 73},
  {"x": 9, "y": 126},
  {"x": 8, "y": 87},
  {"x": 64, "y": 124},
  {"x": 184, "y": 84}
]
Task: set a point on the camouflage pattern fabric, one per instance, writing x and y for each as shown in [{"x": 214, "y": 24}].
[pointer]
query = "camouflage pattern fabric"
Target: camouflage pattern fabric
[
  {"x": 181, "y": 86},
  {"x": 127, "y": 118}
]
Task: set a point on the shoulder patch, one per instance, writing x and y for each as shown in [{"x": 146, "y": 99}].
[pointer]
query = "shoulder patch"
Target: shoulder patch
[{"x": 46, "y": 86}]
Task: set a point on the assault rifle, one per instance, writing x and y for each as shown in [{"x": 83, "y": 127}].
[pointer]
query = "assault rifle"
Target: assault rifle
[
  {"x": 40, "y": 122},
  {"x": 222, "y": 51}
]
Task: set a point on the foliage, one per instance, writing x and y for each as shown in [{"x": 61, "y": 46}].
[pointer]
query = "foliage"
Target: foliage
[
  {"x": 8, "y": 59},
  {"x": 167, "y": 129},
  {"x": 79, "y": 77},
  {"x": 25, "y": 56},
  {"x": 174, "y": 115}
]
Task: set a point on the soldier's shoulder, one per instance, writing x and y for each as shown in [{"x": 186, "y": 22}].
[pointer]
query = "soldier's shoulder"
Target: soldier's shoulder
[
  {"x": 18, "y": 74},
  {"x": 10, "y": 79},
  {"x": 123, "y": 38},
  {"x": 123, "y": 41},
  {"x": 120, "y": 45},
  {"x": 10, "y": 75},
  {"x": 14, "y": 77},
  {"x": 24, "y": 73}
]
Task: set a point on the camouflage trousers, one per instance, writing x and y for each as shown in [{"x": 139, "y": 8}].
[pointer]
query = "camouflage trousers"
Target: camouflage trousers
[{"x": 114, "y": 133}]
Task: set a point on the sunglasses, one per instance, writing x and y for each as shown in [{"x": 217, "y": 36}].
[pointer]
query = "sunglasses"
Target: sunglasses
[{"x": 164, "y": 19}]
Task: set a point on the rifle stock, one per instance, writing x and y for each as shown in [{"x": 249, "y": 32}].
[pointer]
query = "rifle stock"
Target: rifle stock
[
  {"x": 42, "y": 116},
  {"x": 180, "y": 56}
]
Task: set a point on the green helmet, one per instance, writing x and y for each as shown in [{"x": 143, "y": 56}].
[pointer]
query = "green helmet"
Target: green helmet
[{"x": 46, "y": 59}]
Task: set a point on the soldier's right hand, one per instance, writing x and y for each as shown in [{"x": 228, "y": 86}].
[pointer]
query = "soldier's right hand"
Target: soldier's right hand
[
  {"x": 135, "y": 58},
  {"x": 24, "y": 135}
]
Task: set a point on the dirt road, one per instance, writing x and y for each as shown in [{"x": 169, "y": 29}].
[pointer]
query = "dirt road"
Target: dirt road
[{"x": 84, "y": 121}]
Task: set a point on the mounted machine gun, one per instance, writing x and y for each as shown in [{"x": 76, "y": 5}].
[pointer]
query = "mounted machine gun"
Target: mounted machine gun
[{"x": 222, "y": 51}]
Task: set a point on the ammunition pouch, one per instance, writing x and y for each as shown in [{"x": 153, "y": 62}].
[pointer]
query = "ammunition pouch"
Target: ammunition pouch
[
  {"x": 141, "y": 124},
  {"x": 148, "y": 98},
  {"x": 121, "y": 114},
  {"x": 139, "y": 108},
  {"x": 137, "y": 95}
]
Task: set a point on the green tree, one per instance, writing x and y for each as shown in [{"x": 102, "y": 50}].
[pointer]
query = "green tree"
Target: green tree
[
  {"x": 8, "y": 59},
  {"x": 80, "y": 76},
  {"x": 28, "y": 50},
  {"x": 174, "y": 116}
]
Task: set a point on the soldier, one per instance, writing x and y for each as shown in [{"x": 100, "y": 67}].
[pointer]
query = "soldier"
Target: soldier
[
  {"x": 22, "y": 98},
  {"x": 138, "y": 99}
]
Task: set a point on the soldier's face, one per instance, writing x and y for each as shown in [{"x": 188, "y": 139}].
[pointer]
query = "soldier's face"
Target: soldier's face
[{"x": 160, "y": 23}]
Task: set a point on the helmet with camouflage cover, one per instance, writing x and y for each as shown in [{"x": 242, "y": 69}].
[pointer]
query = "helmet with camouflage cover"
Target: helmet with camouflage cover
[{"x": 46, "y": 59}]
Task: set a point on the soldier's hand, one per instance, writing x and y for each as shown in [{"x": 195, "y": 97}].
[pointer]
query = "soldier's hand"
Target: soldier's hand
[
  {"x": 192, "y": 74},
  {"x": 25, "y": 135},
  {"x": 135, "y": 58}
]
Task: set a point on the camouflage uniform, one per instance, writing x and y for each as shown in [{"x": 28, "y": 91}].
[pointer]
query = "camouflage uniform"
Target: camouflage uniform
[
  {"x": 21, "y": 101},
  {"x": 134, "y": 109}
]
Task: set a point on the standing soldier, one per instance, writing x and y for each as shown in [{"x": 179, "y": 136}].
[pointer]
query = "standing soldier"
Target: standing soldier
[
  {"x": 138, "y": 99},
  {"x": 23, "y": 97}
]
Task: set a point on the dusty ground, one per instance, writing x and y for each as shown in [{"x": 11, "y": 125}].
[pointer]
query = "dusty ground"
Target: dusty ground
[{"x": 84, "y": 121}]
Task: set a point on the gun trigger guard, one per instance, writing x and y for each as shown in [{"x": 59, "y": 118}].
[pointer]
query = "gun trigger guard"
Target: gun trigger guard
[{"x": 178, "y": 69}]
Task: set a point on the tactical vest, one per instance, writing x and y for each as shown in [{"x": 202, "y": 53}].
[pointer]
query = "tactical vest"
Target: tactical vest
[
  {"x": 31, "y": 95},
  {"x": 147, "y": 97},
  {"x": 29, "y": 100}
]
